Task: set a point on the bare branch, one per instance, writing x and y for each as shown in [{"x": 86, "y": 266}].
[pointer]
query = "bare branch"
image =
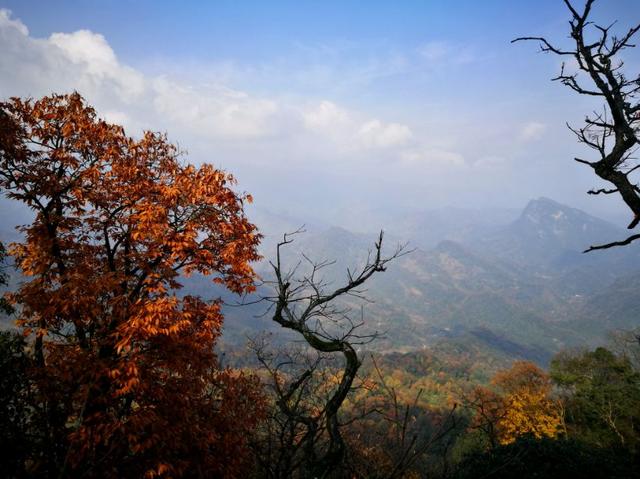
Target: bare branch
[
  {"x": 627, "y": 241},
  {"x": 545, "y": 46},
  {"x": 302, "y": 303},
  {"x": 602, "y": 191},
  {"x": 613, "y": 134}
]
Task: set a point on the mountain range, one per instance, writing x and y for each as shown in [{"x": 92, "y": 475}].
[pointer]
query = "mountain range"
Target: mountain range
[{"x": 517, "y": 283}]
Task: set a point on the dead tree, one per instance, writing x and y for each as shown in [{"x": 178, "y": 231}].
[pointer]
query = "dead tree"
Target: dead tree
[
  {"x": 308, "y": 422},
  {"x": 612, "y": 132}
]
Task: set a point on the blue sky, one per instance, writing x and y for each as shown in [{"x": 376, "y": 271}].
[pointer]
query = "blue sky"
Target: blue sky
[{"x": 328, "y": 108}]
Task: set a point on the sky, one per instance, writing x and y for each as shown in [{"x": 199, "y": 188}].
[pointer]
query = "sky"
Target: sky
[{"x": 327, "y": 110}]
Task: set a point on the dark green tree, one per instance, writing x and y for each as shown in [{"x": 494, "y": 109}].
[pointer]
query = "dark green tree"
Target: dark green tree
[
  {"x": 531, "y": 458},
  {"x": 602, "y": 396}
]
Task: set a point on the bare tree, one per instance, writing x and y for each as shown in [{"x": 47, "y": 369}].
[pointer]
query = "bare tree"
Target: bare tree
[
  {"x": 296, "y": 379},
  {"x": 612, "y": 132},
  {"x": 308, "y": 402}
]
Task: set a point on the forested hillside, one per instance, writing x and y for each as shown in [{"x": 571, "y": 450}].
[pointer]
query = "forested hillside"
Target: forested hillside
[{"x": 523, "y": 288}]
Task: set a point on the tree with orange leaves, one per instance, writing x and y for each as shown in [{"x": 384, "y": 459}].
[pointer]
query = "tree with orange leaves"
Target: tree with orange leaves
[
  {"x": 517, "y": 403},
  {"x": 124, "y": 369},
  {"x": 529, "y": 408}
]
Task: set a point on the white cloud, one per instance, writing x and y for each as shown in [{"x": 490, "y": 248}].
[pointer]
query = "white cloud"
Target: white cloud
[
  {"x": 188, "y": 109},
  {"x": 531, "y": 131},
  {"x": 7, "y": 22},
  {"x": 117, "y": 117},
  {"x": 98, "y": 62},
  {"x": 374, "y": 133},
  {"x": 432, "y": 157},
  {"x": 280, "y": 145},
  {"x": 350, "y": 131},
  {"x": 214, "y": 111},
  {"x": 326, "y": 117}
]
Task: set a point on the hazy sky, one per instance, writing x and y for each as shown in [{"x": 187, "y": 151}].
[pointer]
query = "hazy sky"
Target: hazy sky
[{"x": 328, "y": 108}]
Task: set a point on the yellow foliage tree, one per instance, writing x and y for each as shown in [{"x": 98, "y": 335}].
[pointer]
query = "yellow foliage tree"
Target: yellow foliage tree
[
  {"x": 518, "y": 402},
  {"x": 529, "y": 409}
]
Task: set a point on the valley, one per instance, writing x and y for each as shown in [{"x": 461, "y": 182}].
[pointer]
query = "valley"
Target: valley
[{"x": 521, "y": 288}]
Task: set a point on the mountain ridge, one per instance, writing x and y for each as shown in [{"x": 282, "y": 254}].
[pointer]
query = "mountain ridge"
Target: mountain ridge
[{"x": 523, "y": 287}]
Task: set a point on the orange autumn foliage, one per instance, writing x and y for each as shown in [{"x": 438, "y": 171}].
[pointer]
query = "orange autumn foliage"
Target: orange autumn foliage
[
  {"x": 529, "y": 408},
  {"x": 124, "y": 366},
  {"x": 518, "y": 403}
]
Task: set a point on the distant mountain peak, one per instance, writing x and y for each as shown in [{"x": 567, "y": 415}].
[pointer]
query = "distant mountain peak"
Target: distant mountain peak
[
  {"x": 547, "y": 206},
  {"x": 545, "y": 211},
  {"x": 543, "y": 200},
  {"x": 552, "y": 229}
]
